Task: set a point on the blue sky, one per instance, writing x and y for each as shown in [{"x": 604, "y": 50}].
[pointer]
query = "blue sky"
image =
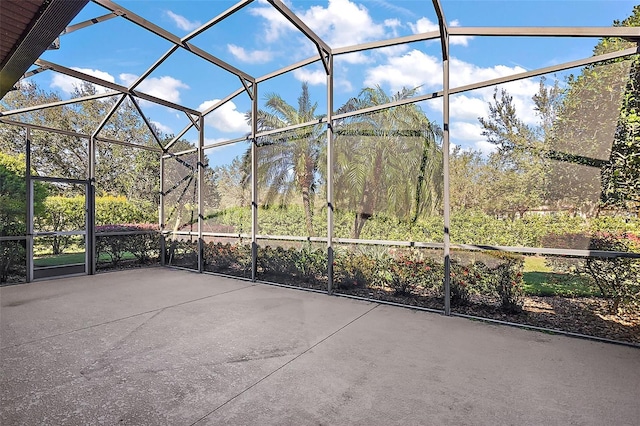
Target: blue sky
[{"x": 258, "y": 40}]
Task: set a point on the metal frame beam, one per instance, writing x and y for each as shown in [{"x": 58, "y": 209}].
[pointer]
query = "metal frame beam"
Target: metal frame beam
[
  {"x": 161, "y": 32},
  {"x": 58, "y": 103},
  {"x": 301, "y": 26},
  {"x": 233, "y": 9},
  {"x": 113, "y": 86},
  {"x": 631, "y": 33}
]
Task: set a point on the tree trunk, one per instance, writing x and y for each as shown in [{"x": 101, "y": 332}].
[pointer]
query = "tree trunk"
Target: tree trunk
[{"x": 308, "y": 214}]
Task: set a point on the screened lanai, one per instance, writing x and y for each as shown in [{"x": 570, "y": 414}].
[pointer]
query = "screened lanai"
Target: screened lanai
[{"x": 476, "y": 159}]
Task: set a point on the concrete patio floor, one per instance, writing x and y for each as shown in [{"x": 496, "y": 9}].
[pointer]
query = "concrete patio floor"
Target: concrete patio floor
[{"x": 168, "y": 347}]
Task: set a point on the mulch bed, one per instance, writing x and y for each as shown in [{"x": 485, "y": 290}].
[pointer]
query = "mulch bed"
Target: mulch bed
[{"x": 582, "y": 315}]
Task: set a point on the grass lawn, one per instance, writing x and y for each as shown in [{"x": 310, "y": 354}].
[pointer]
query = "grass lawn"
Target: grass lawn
[
  {"x": 73, "y": 258},
  {"x": 540, "y": 280}
]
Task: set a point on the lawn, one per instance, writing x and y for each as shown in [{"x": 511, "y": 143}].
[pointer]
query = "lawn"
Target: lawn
[
  {"x": 73, "y": 258},
  {"x": 540, "y": 280}
]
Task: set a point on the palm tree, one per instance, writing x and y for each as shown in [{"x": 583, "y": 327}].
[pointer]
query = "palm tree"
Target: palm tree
[
  {"x": 288, "y": 161},
  {"x": 389, "y": 161}
]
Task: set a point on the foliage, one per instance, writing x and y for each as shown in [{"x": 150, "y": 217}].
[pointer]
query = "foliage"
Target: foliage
[
  {"x": 13, "y": 195},
  {"x": 116, "y": 241},
  {"x": 304, "y": 262},
  {"x": 12, "y": 260},
  {"x": 618, "y": 278},
  {"x": 507, "y": 280},
  {"x": 68, "y": 213},
  {"x": 409, "y": 271},
  {"x": 466, "y": 280},
  {"x": 182, "y": 253},
  {"x": 516, "y": 171},
  {"x": 388, "y": 162},
  {"x": 227, "y": 258},
  {"x": 289, "y": 161},
  {"x": 13, "y": 212}
]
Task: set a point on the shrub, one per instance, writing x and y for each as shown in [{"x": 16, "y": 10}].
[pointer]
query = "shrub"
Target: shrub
[
  {"x": 354, "y": 270},
  {"x": 224, "y": 257},
  {"x": 506, "y": 280},
  {"x": 12, "y": 260},
  {"x": 143, "y": 244},
  {"x": 182, "y": 252},
  {"x": 409, "y": 271},
  {"x": 618, "y": 278},
  {"x": 304, "y": 262},
  {"x": 466, "y": 280}
]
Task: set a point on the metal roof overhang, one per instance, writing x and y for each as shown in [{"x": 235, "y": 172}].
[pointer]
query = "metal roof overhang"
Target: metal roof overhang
[{"x": 27, "y": 29}]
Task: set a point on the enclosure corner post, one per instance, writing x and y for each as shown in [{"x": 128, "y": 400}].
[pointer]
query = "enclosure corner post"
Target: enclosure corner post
[
  {"x": 200, "y": 193},
  {"x": 446, "y": 198},
  {"x": 254, "y": 182},
  {"x": 330, "y": 168},
  {"x": 29, "y": 218},
  {"x": 91, "y": 209},
  {"x": 163, "y": 243}
]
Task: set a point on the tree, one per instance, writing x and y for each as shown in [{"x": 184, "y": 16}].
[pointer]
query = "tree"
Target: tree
[
  {"x": 289, "y": 162},
  {"x": 119, "y": 170},
  {"x": 467, "y": 184},
  {"x": 13, "y": 208},
  {"x": 389, "y": 161},
  {"x": 517, "y": 166},
  {"x": 596, "y": 137}
]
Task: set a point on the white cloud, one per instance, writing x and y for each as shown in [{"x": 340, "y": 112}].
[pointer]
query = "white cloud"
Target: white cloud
[
  {"x": 225, "y": 118},
  {"x": 412, "y": 69},
  {"x": 342, "y": 23},
  {"x": 251, "y": 56},
  {"x": 165, "y": 87},
  {"x": 163, "y": 128},
  {"x": 182, "y": 22},
  {"x": 461, "y": 130},
  {"x": 485, "y": 147},
  {"x": 68, "y": 84},
  {"x": 459, "y": 40},
  {"x": 276, "y": 24},
  {"x": 424, "y": 25},
  {"x": 314, "y": 78}
]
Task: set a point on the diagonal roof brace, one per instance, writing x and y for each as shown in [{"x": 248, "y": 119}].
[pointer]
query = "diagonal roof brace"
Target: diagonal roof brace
[
  {"x": 161, "y": 32},
  {"x": 323, "y": 47},
  {"x": 114, "y": 86}
]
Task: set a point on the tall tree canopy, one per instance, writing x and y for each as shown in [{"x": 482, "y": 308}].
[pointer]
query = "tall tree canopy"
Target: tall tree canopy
[
  {"x": 289, "y": 161},
  {"x": 387, "y": 162}
]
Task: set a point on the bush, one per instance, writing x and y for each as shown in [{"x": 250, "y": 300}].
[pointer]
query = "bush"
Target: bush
[
  {"x": 12, "y": 260},
  {"x": 219, "y": 257},
  {"x": 466, "y": 280},
  {"x": 618, "y": 278},
  {"x": 409, "y": 271},
  {"x": 143, "y": 245},
  {"x": 354, "y": 270},
  {"x": 304, "y": 262},
  {"x": 506, "y": 280}
]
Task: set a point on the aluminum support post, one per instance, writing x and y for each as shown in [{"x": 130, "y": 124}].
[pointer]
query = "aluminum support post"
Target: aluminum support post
[
  {"x": 200, "y": 194},
  {"x": 254, "y": 183},
  {"x": 447, "y": 206},
  {"x": 29, "y": 212},
  {"x": 330, "y": 170},
  {"x": 163, "y": 248},
  {"x": 90, "y": 216}
]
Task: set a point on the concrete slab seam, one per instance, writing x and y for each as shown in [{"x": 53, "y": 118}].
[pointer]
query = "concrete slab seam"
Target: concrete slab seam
[
  {"x": 124, "y": 318},
  {"x": 284, "y": 365}
]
